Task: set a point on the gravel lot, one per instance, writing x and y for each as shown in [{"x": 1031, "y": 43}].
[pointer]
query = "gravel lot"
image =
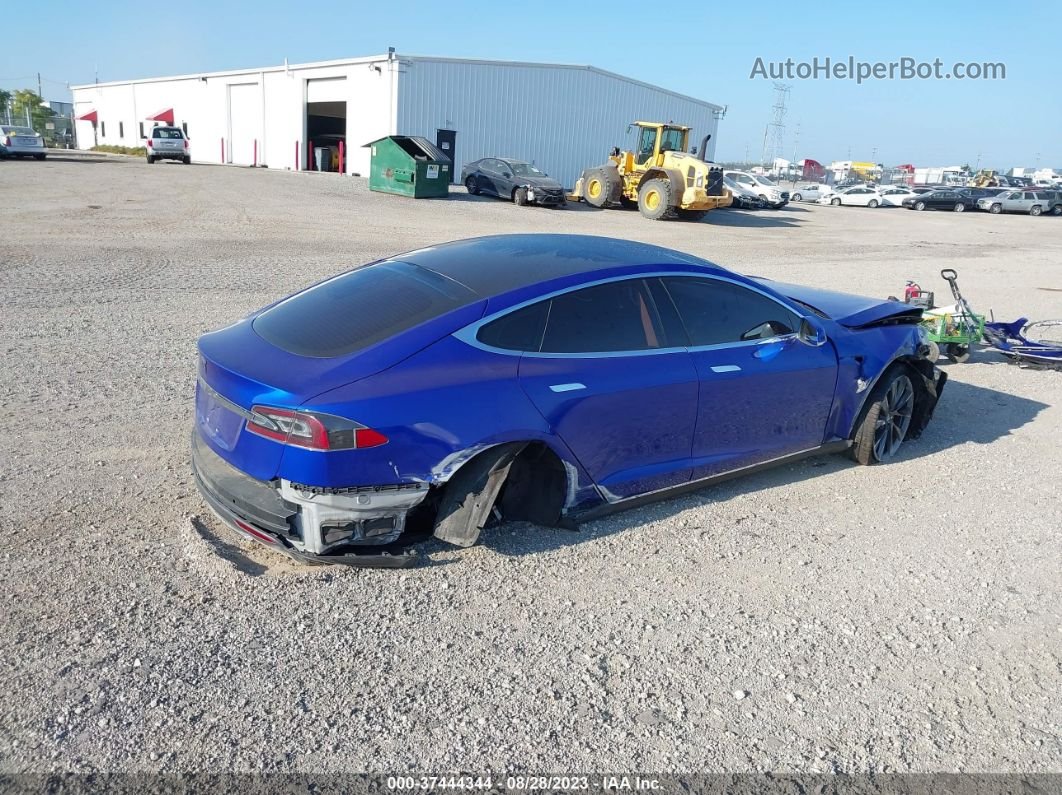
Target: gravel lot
[{"x": 819, "y": 617}]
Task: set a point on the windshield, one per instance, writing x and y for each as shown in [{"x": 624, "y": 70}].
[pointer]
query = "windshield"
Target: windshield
[
  {"x": 526, "y": 170},
  {"x": 763, "y": 180},
  {"x": 19, "y": 131},
  {"x": 167, "y": 132},
  {"x": 671, "y": 141}
]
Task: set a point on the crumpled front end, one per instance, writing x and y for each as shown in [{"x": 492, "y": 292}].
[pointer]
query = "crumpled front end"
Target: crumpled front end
[{"x": 358, "y": 526}]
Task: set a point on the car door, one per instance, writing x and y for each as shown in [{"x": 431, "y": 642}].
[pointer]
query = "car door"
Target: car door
[
  {"x": 943, "y": 199},
  {"x": 503, "y": 179},
  {"x": 614, "y": 388},
  {"x": 1012, "y": 202},
  {"x": 488, "y": 175},
  {"x": 763, "y": 394}
]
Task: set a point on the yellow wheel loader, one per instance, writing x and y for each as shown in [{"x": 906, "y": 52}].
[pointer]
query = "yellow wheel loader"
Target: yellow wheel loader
[{"x": 662, "y": 179}]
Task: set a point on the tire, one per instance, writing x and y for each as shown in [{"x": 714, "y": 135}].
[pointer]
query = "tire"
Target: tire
[
  {"x": 957, "y": 353},
  {"x": 520, "y": 197},
  {"x": 920, "y": 206},
  {"x": 187, "y": 160},
  {"x": 151, "y": 160},
  {"x": 1056, "y": 210},
  {"x": 1035, "y": 209},
  {"x": 797, "y": 197},
  {"x": 596, "y": 188},
  {"x": 872, "y": 203},
  {"x": 996, "y": 209},
  {"x": 471, "y": 187},
  {"x": 654, "y": 199},
  {"x": 960, "y": 207},
  {"x": 39, "y": 157},
  {"x": 934, "y": 351},
  {"x": 887, "y": 420},
  {"x": 692, "y": 215},
  {"x": 835, "y": 202}
]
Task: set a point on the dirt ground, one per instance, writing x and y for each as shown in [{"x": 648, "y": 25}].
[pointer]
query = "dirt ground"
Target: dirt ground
[{"x": 818, "y": 617}]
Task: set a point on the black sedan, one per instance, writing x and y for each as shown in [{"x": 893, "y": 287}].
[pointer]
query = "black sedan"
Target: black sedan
[
  {"x": 956, "y": 200},
  {"x": 515, "y": 180}
]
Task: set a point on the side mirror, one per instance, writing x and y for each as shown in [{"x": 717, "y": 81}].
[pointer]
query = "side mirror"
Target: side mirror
[
  {"x": 812, "y": 332},
  {"x": 507, "y": 175}
]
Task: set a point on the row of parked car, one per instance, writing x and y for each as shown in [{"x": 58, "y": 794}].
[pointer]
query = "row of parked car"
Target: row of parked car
[{"x": 1040, "y": 201}]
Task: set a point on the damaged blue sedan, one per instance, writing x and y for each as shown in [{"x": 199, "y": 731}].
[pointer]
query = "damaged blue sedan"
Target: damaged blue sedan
[{"x": 538, "y": 378}]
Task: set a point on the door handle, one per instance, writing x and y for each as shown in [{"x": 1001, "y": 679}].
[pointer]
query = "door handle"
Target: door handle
[
  {"x": 726, "y": 368},
  {"x": 572, "y": 387}
]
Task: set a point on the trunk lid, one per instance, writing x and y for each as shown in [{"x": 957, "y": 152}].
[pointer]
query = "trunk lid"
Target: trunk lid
[
  {"x": 239, "y": 369},
  {"x": 853, "y": 311}
]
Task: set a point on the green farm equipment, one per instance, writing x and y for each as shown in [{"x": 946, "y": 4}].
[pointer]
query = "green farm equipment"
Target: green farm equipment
[{"x": 952, "y": 330}]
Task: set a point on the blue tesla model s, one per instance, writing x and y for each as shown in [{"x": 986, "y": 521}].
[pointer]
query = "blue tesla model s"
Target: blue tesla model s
[{"x": 542, "y": 378}]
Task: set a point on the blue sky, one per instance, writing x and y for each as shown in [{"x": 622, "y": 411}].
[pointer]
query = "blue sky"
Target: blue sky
[{"x": 706, "y": 50}]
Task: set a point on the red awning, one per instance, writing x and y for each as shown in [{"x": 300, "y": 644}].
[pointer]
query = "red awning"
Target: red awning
[
  {"x": 91, "y": 116},
  {"x": 163, "y": 115}
]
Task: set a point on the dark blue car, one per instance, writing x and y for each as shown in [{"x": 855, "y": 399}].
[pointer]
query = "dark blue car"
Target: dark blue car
[{"x": 542, "y": 378}]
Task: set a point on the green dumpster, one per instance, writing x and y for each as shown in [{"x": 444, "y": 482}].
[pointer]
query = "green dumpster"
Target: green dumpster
[{"x": 409, "y": 166}]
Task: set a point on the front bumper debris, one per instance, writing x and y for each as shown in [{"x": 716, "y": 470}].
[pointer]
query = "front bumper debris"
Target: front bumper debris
[{"x": 359, "y": 528}]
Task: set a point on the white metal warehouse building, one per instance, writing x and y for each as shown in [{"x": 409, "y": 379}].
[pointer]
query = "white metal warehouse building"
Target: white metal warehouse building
[{"x": 562, "y": 118}]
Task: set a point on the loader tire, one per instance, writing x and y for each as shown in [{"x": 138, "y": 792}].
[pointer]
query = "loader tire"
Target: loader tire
[
  {"x": 596, "y": 187},
  {"x": 654, "y": 199}
]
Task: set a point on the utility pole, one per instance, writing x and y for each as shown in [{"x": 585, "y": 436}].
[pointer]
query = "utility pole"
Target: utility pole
[
  {"x": 777, "y": 125},
  {"x": 40, "y": 93}
]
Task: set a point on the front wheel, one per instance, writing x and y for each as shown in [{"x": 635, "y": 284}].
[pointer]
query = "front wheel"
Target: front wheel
[
  {"x": 885, "y": 424},
  {"x": 920, "y": 205},
  {"x": 596, "y": 188},
  {"x": 520, "y": 197},
  {"x": 996, "y": 209},
  {"x": 835, "y": 202},
  {"x": 872, "y": 203},
  {"x": 960, "y": 207},
  {"x": 1035, "y": 210},
  {"x": 471, "y": 187},
  {"x": 797, "y": 197}
]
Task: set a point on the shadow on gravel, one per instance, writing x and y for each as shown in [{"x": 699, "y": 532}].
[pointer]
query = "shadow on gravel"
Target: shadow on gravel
[
  {"x": 969, "y": 413},
  {"x": 966, "y": 413},
  {"x": 239, "y": 561},
  {"x": 750, "y": 219}
]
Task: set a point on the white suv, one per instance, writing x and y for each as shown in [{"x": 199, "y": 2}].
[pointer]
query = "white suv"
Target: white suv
[{"x": 771, "y": 194}]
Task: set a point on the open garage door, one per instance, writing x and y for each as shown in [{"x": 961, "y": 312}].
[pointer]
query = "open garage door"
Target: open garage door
[
  {"x": 245, "y": 123},
  {"x": 326, "y": 122}
]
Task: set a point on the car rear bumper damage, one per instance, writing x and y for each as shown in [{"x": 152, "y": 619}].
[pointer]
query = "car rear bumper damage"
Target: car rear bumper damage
[{"x": 356, "y": 526}]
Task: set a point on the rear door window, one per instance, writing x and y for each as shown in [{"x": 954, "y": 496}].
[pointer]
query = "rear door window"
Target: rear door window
[
  {"x": 616, "y": 316},
  {"x": 357, "y": 309},
  {"x": 518, "y": 331},
  {"x": 715, "y": 312}
]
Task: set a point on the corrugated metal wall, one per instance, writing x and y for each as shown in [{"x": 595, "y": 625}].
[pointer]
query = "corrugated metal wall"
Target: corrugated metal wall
[{"x": 561, "y": 118}]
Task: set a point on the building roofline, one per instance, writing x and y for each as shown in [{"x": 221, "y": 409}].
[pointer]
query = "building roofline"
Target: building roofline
[{"x": 398, "y": 57}]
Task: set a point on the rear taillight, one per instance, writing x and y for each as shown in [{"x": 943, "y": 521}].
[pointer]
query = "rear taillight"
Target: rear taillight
[
  {"x": 150, "y": 145},
  {"x": 185, "y": 143},
  {"x": 7, "y": 140},
  {"x": 312, "y": 430}
]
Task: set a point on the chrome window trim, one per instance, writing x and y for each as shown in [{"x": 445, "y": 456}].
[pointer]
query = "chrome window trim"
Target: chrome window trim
[{"x": 468, "y": 334}]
